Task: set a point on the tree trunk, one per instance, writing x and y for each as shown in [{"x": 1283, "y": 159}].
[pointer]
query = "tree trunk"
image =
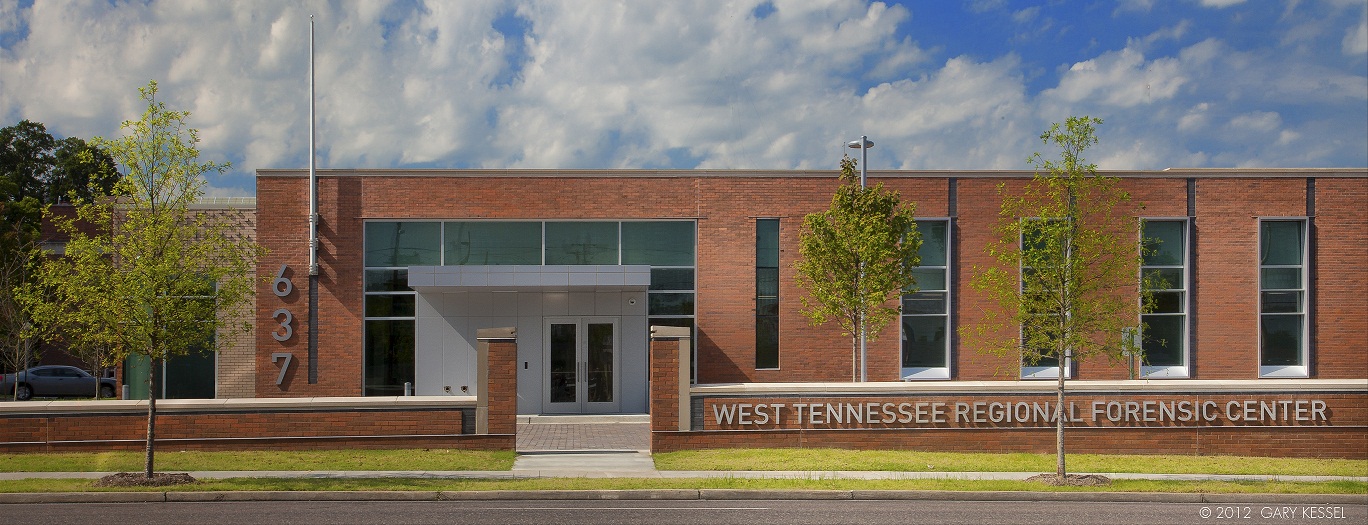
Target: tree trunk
[
  {"x": 1059, "y": 421},
  {"x": 151, "y": 415}
]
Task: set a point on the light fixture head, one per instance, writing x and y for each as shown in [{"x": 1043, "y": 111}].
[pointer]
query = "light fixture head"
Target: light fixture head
[{"x": 855, "y": 144}]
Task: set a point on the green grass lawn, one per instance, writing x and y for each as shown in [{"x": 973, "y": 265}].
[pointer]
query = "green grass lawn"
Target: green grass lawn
[
  {"x": 909, "y": 461},
  {"x": 391, "y": 484},
  {"x": 180, "y": 461},
  {"x": 728, "y": 459}
]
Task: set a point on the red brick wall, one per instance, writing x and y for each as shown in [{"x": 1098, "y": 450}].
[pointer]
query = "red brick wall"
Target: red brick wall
[
  {"x": 503, "y": 386},
  {"x": 665, "y": 384},
  {"x": 1340, "y": 281},
  {"x": 726, "y": 206},
  {"x": 1320, "y": 442},
  {"x": 244, "y": 429},
  {"x": 1313, "y": 424}
]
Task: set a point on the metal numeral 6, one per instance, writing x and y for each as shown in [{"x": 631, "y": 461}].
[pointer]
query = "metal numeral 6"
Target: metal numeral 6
[{"x": 282, "y": 286}]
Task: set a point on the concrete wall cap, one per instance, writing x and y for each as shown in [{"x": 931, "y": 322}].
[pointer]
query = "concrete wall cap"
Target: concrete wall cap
[
  {"x": 507, "y": 332},
  {"x": 670, "y": 331},
  {"x": 171, "y": 406},
  {"x": 1077, "y": 386}
]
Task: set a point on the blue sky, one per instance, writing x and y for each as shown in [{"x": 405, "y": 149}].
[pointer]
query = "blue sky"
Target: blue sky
[{"x": 705, "y": 84}]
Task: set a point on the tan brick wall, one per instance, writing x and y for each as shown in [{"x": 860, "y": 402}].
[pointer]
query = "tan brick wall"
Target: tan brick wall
[{"x": 236, "y": 365}]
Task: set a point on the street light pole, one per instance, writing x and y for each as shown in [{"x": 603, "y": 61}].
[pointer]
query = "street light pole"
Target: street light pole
[{"x": 863, "y": 144}]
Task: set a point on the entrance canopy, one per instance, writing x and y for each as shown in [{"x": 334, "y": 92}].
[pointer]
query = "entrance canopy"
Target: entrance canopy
[{"x": 527, "y": 278}]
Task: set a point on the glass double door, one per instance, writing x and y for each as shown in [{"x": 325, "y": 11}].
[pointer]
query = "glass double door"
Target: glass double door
[{"x": 581, "y": 363}]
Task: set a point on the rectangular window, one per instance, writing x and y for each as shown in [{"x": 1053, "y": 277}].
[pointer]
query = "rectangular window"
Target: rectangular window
[
  {"x": 581, "y": 243},
  {"x": 926, "y": 312},
  {"x": 766, "y": 293},
  {"x": 388, "y": 349},
  {"x": 491, "y": 243},
  {"x": 662, "y": 243},
  {"x": 403, "y": 244},
  {"x": 1282, "y": 298},
  {"x": 388, "y": 356},
  {"x": 1164, "y": 340},
  {"x": 1043, "y": 255}
]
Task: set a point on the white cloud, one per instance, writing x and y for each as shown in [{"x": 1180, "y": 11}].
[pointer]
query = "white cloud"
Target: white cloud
[
  {"x": 1257, "y": 122},
  {"x": 1221, "y": 4},
  {"x": 1124, "y": 6},
  {"x": 1195, "y": 119},
  {"x": 1120, "y": 78},
  {"x": 1356, "y": 38},
  {"x": 9, "y": 16},
  {"x": 672, "y": 84}
]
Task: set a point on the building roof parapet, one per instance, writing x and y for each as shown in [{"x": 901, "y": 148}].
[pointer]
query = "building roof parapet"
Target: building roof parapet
[{"x": 756, "y": 173}]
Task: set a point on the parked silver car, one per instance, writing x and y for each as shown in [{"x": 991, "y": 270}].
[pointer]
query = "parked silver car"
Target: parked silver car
[{"x": 53, "y": 381}]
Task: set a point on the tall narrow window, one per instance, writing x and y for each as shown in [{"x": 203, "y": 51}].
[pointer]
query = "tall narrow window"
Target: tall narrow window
[
  {"x": 391, "y": 247},
  {"x": 767, "y": 293},
  {"x": 926, "y": 312},
  {"x": 1164, "y": 340},
  {"x": 1042, "y": 274},
  {"x": 1282, "y": 298}
]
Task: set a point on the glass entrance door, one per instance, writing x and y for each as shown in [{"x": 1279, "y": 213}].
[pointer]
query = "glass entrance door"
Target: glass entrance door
[{"x": 581, "y": 365}]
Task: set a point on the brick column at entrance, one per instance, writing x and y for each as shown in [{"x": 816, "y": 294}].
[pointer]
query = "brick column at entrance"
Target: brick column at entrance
[
  {"x": 496, "y": 391},
  {"x": 670, "y": 378}
]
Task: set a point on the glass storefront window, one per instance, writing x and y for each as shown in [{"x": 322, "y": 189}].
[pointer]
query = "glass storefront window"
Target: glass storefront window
[
  {"x": 663, "y": 243},
  {"x": 491, "y": 243},
  {"x": 403, "y": 243},
  {"x": 581, "y": 243}
]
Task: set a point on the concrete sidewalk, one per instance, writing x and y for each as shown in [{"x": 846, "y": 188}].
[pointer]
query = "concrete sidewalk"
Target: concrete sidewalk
[
  {"x": 603, "y": 464},
  {"x": 638, "y": 465}
]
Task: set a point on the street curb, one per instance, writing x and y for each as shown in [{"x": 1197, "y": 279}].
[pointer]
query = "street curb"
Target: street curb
[{"x": 677, "y": 495}]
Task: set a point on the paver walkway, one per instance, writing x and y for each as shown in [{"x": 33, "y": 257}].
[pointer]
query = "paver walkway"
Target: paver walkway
[
  {"x": 589, "y": 446},
  {"x": 583, "y": 433}
]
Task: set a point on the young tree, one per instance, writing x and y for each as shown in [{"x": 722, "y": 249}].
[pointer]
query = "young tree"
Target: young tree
[
  {"x": 856, "y": 258},
  {"x": 155, "y": 277},
  {"x": 18, "y": 241},
  {"x": 1068, "y": 263}
]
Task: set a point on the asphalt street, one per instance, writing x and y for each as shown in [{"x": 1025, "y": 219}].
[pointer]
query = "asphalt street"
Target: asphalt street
[{"x": 753, "y": 512}]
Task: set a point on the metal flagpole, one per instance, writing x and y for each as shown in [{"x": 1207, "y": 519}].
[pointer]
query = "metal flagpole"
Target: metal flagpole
[
  {"x": 864, "y": 365},
  {"x": 313, "y": 223}
]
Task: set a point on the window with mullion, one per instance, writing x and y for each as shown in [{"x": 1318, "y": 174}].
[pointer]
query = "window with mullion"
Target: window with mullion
[
  {"x": 1041, "y": 271},
  {"x": 926, "y": 312},
  {"x": 1164, "y": 341},
  {"x": 1282, "y": 298}
]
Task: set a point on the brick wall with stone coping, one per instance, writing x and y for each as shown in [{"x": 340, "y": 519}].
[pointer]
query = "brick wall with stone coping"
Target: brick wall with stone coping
[
  {"x": 1275, "y": 418},
  {"x": 242, "y": 424}
]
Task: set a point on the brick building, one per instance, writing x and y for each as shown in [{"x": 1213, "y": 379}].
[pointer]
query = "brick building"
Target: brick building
[
  {"x": 673, "y": 293},
  {"x": 413, "y": 261}
]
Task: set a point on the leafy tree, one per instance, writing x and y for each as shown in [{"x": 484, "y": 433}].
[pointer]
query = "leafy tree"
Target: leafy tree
[
  {"x": 155, "y": 275},
  {"x": 25, "y": 153},
  {"x": 18, "y": 241},
  {"x": 35, "y": 164},
  {"x": 856, "y": 258},
  {"x": 1068, "y": 259},
  {"x": 37, "y": 169}
]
